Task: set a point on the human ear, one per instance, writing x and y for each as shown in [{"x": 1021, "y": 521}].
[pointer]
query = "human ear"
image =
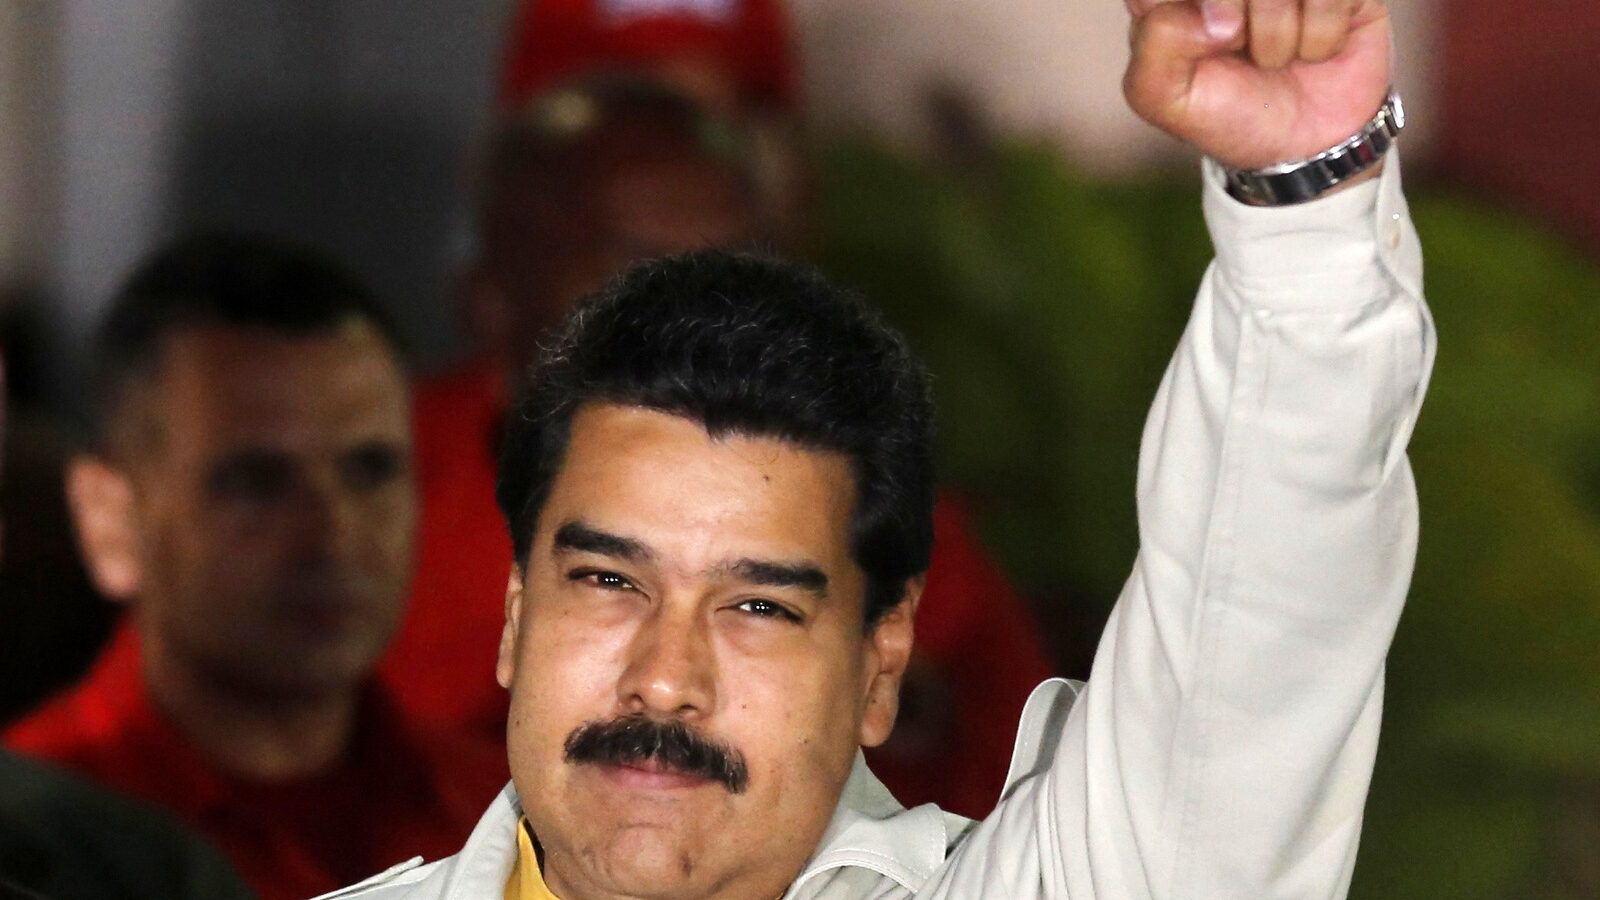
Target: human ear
[
  {"x": 505, "y": 667},
  {"x": 888, "y": 654},
  {"x": 101, "y": 499}
]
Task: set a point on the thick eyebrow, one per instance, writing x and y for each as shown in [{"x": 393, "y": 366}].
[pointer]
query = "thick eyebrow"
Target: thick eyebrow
[
  {"x": 581, "y": 538},
  {"x": 766, "y": 573}
]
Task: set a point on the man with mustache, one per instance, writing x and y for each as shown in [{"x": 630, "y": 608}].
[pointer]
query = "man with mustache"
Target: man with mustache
[
  {"x": 248, "y": 495},
  {"x": 599, "y": 159},
  {"x": 718, "y": 489}
]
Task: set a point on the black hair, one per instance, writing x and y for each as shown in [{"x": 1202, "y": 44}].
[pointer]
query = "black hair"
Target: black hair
[
  {"x": 743, "y": 344},
  {"x": 219, "y": 279}
]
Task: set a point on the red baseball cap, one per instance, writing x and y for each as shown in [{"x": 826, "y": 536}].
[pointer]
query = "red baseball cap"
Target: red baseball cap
[{"x": 553, "y": 41}]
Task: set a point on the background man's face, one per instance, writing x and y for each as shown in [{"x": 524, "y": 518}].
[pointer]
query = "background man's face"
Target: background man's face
[
  {"x": 675, "y": 577},
  {"x": 627, "y": 193},
  {"x": 272, "y": 505}
]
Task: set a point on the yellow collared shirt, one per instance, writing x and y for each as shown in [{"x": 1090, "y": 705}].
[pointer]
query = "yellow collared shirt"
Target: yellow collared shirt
[{"x": 527, "y": 881}]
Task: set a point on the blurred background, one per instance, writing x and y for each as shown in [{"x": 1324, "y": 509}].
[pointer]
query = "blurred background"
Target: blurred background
[{"x": 977, "y": 174}]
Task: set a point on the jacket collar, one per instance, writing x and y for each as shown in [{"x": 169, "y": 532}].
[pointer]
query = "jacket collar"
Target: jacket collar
[{"x": 871, "y": 830}]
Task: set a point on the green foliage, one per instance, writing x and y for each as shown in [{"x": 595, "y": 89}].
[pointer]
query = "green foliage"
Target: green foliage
[
  {"x": 1007, "y": 281},
  {"x": 1047, "y": 304}
]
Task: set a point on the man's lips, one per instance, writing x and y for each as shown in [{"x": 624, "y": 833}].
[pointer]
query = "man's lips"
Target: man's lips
[
  {"x": 325, "y": 609},
  {"x": 648, "y": 774}
]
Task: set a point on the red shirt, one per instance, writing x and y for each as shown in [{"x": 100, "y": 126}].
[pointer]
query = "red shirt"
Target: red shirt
[
  {"x": 978, "y": 653},
  {"x": 399, "y": 792},
  {"x": 440, "y": 667}
]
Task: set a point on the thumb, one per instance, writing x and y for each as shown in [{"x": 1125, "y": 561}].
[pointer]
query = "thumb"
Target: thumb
[{"x": 1169, "y": 42}]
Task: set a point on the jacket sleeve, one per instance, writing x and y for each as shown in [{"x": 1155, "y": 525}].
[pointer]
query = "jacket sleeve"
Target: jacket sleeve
[{"x": 1225, "y": 742}]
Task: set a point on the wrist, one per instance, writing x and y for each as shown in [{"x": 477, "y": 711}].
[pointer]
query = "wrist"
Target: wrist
[{"x": 1355, "y": 159}]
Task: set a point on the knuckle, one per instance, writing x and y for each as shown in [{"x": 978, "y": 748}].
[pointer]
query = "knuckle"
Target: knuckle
[
  {"x": 1327, "y": 24},
  {"x": 1140, "y": 95},
  {"x": 1274, "y": 32},
  {"x": 1165, "y": 23},
  {"x": 1133, "y": 90},
  {"x": 1313, "y": 53},
  {"x": 1273, "y": 54},
  {"x": 1328, "y": 13}
]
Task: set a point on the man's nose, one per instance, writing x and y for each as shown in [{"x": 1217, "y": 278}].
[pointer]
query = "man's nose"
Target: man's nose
[
  {"x": 671, "y": 666},
  {"x": 328, "y": 520}
]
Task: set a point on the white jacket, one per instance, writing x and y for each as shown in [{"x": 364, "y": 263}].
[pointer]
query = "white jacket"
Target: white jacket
[{"x": 1224, "y": 746}]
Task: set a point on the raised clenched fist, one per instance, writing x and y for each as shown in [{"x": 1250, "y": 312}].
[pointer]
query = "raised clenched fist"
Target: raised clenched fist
[{"x": 1256, "y": 82}]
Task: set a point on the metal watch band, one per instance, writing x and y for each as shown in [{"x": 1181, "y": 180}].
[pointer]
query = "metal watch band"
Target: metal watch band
[{"x": 1284, "y": 184}]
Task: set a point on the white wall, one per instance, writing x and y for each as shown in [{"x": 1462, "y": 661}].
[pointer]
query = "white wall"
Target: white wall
[
  {"x": 26, "y": 105},
  {"x": 117, "y": 82},
  {"x": 341, "y": 122},
  {"x": 1048, "y": 68},
  {"x": 120, "y": 120}
]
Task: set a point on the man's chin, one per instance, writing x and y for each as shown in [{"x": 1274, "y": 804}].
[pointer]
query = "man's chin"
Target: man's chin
[
  {"x": 636, "y": 860},
  {"x": 631, "y": 833}
]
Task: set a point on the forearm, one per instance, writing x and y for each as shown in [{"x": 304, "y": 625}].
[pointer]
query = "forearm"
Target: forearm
[
  {"x": 1235, "y": 698},
  {"x": 1223, "y": 746}
]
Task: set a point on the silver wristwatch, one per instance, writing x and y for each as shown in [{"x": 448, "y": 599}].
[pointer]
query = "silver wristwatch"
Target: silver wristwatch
[{"x": 1287, "y": 183}]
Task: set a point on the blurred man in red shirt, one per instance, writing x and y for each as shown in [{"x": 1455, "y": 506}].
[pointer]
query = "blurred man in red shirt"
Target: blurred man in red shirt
[
  {"x": 631, "y": 130},
  {"x": 249, "y": 497},
  {"x": 580, "y": 185}
]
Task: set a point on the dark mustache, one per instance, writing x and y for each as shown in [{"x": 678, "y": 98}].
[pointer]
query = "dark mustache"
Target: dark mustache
[{"x": 672, "y": 743}]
